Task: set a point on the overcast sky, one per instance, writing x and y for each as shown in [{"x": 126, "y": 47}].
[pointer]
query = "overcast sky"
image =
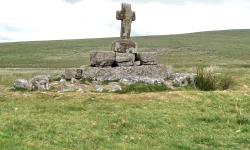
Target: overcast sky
[{"x": 29, "y": 20}]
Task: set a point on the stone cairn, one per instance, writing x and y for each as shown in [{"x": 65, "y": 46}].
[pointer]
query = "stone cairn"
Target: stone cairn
[{"x": 124, "y": 62}]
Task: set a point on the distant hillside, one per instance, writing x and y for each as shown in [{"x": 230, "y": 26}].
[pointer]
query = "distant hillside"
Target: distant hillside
[{"x": 227, "y": 48}]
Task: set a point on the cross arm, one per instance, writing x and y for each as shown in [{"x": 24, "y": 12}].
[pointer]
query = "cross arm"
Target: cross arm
[
  {"x": 133, "y": 16},
  {"x": 119, "y": 15}
]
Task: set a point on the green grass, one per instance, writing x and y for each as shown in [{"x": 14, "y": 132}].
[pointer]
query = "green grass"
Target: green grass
[
  {"x": 181, "y": 119},
  {"x": 137, "y": 121},
  {"x": 142, "y": 87}
]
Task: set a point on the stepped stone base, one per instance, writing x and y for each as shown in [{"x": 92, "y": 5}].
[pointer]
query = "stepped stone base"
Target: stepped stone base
[
  {"x": 119, "y": 73},
  {"x": 108, "y": 59}
]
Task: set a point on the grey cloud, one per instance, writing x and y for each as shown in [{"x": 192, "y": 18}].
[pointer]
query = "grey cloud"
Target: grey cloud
[{"x": 72, "y": 1}]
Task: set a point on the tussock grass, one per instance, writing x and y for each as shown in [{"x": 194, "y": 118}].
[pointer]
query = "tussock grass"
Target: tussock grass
[
  {"x": 225, "y": 82},
  {"x": 207, "y": 80}
]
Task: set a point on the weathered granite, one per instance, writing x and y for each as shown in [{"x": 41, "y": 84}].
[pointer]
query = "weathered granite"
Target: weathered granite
[
  {"x": 124, "y": 46},
  {"x": 102, "y": 59},
  {"x": 137, "y": 63},
  {"x": 183, "y": 79},
  {"x": 126, "y": 15},
  {"x": 147, "y": 80},
  {"x": 147, "y": 58},
  {"x": 40, "y": 82},
  {"x": 124, "y": 59},
  {"x": 125, "y": 64},
  {"x": 118, "y": 73},
  {"x": 72, "y": 73},
  {"x": 21, "y": 84}
]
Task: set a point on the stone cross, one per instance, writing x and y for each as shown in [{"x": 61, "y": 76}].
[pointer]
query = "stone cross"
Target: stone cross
[{"x": 126, "y": 15}]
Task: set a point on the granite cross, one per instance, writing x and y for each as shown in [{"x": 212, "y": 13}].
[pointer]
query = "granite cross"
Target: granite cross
[{"x": 126, "y": 15}]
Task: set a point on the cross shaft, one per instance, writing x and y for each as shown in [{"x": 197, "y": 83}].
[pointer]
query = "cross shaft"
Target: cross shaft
[{"x": 126, "y": 15}]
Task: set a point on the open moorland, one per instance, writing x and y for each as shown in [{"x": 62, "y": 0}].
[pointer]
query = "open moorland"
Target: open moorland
[{"x": 185, "y": 118}]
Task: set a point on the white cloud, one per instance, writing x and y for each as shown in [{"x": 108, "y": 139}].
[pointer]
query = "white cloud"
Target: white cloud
[{"x": 28, "y": 20}]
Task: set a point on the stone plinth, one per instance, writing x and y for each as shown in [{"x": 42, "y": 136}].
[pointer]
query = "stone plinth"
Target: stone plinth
[
  {"x": 124, "y": 46},
  {"x": 119, "y": 73}
]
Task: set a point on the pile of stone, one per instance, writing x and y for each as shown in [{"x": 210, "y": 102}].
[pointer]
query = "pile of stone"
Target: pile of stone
[
  {"x": 40, "y": 82},
  {"x": 58, "y": 83}
]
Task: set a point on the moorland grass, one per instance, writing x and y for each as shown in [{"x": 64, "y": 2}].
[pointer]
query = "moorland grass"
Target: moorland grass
[
  {"x": 221, "y": 48},
  {"x": 183, "y": 119},
  {"x": 175, "y": 120}
]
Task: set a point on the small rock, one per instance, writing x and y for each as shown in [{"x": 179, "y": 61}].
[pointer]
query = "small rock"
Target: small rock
[
  {"x": 62, "y": 81},
  {"x": 180, "y": 82},
  {"x": 40, "y": 82},
  {"x": 137, "y": 63},
  {"x": 80, "y": 90},
  {"x": 99, "y": 88},
  {"x": 169, "y": 84},
  {"x": 73, "y": 81},
  {"x": 183, "y": 79},
  {"x": 126, "y": 81},
  {"x": 21, "y": 84},
  {"x": 116, "y": 88}
]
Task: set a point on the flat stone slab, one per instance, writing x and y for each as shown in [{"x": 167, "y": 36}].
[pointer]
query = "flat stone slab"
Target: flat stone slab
[
  {"x": 125, "y": 59},
  {"x": 147, "y": 58},
  {"x": 102, "y": 59},
  {"x": 118, "y": 73}
]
